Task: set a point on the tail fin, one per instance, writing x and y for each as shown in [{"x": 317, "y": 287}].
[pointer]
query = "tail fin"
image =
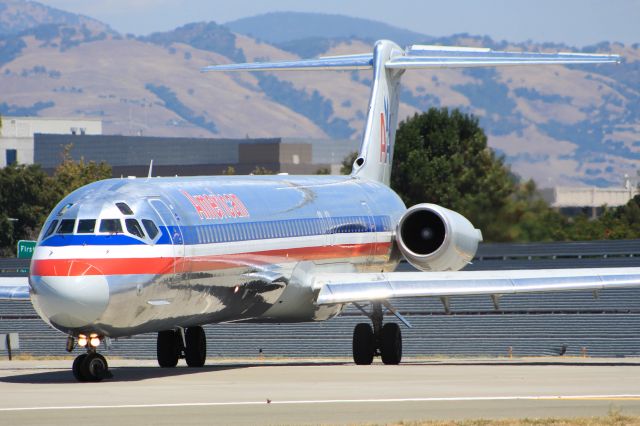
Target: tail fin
[{"x": 389, "y": 62}]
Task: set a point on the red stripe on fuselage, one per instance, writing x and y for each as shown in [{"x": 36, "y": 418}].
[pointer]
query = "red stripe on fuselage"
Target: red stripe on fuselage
[{"x": 166, "y": 265}]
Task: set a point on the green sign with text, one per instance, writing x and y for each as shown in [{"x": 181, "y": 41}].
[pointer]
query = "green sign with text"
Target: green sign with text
[{"x": 25, "y": 249}]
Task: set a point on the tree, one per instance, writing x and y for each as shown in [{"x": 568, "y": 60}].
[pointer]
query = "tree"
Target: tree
[
  {"x": 615, "y": 223},
  {"x": 28, "y": 194},
  {"x": 347, "y": 163},
  {"x": 25, "y": 201},
  {"x": 442, "y": 157},
  {"x": 71, "y": 175},
  {"x": 230, "y": 170},
  {"x": 259, "y": 170}
]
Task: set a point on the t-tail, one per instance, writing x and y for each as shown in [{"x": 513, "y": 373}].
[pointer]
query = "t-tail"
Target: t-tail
[{"x": 389, "y": 61}]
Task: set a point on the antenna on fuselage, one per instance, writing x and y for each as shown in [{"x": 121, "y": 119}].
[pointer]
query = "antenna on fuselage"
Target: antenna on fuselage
[{"x": 150, "y": 168}]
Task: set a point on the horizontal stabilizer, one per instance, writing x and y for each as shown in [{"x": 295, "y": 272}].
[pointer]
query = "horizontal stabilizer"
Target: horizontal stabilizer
[
  {"x": 418, "y": 56},
  {"x": 347, "y": 62},
  {"x": 352, "y": 287},
  {"x": 425, "y": 56}
]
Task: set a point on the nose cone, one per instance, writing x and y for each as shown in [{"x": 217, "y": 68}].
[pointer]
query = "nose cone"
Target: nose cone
[{"x": 70, "y": 302}]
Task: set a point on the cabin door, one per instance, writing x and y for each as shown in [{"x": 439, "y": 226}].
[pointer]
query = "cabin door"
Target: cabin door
[{"x": 172, "y": 228}]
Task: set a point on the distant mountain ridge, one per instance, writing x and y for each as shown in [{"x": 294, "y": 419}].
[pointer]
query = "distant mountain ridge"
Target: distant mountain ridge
[
  {"x": 559, "y": 125},
  {"x": 17, "y": 16},
  {"x": 282, "y": 27}
]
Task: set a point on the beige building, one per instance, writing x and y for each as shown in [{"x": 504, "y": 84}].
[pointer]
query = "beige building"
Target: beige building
[
  {"x": 562, "y": 197},
  {"x": 17, "y": 134}
]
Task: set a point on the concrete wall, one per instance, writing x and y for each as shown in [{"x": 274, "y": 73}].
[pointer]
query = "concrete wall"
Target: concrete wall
[
  {"x": 26, "y": 127},
  {"x": 131, "y": 155},
  {"x": 561, "y": 197},
  {"x": 22, "y": 146},
  {"x": 17, "y": 133}
]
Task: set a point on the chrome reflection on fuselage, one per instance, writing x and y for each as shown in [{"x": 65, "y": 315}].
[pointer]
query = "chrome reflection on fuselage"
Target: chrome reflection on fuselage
[{"x": 126, "y": 256}]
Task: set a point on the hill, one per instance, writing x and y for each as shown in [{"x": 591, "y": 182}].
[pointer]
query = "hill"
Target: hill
[
  {"x": 560, "y": 125},
  {"x": 282, "y": 27},
  {"x": 17, "y": 16}
]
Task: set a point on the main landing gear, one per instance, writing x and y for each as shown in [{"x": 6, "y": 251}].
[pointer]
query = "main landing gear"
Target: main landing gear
[
  {"x": 175, "y": 344},
  {"x": 380, "y": 340},
  {"x": 91, "y": 366}
]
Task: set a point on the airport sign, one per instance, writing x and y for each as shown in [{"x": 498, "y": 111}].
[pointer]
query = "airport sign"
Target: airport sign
[{"x": 25, "y": 249}]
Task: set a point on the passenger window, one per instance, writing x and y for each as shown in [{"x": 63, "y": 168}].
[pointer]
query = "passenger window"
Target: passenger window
[
  {"x": 51, "y": 228},
  {"x": 124, "y": 208},
  {"x": 112, "y": 226},
  {"x": 66, "y": 226},
  {"x": 133, "y": 227},
  {"x": 86, "y": 226},
  {"x": 152, "y": 229}
]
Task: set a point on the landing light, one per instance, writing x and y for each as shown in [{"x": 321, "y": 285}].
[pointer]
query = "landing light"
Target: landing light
[
  {"x": 82, "y": 340},
  {"x": 94, "y": 340}
]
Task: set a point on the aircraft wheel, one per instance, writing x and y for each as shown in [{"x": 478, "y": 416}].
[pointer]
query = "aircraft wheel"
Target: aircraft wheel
[
  {"x": 391, "y": 344},
  {"x": 196, "y": 351},
  {"x": 77, "y": 372},
  {"x": 168, "y": 348},
  {"x": 94, "y": 367},
  {"x": 363, "y": 344}
]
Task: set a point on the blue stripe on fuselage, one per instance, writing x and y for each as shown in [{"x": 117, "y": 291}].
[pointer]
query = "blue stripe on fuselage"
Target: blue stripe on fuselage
[{"x": 235, "y": 231}]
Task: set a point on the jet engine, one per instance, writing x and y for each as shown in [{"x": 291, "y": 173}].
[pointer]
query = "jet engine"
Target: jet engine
[{"x": 433, "y": 238}]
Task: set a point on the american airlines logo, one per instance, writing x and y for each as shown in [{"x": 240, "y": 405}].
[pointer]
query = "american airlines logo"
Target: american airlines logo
[
  {"x": 385, "y": 145},
  {"x": 215, "y": 206}
]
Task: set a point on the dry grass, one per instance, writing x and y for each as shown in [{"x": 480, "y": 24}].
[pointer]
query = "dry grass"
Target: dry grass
[{"x": 615, "y": 418}]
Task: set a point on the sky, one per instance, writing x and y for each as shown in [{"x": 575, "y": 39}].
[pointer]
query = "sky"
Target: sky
[{"x": 574, "y": 22}]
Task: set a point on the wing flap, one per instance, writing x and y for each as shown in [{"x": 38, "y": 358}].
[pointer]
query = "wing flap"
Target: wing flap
[
  {"x": 14, "y": 288},
  {"x": 362, "y": 287}
]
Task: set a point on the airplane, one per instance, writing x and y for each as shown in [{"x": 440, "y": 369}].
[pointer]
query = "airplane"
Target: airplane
[{"x": 120, "y": 257}]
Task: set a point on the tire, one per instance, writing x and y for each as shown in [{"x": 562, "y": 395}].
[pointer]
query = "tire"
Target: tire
[
  {"x": 391, "y": 344},
  {"x": 363, "y": 344},
  {"x": 94, "y": 367},
  {"x": 167, "y": 349},
  {"x": 196, "y": 351},
  {"x": 77, "y": 372}
]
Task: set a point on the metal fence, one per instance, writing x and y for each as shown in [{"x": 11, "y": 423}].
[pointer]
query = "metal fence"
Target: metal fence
[{"x": 574, "y": 323}]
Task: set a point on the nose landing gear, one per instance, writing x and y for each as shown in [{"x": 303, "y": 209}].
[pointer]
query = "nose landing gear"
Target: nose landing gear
[{"x": 92, "y": 366}]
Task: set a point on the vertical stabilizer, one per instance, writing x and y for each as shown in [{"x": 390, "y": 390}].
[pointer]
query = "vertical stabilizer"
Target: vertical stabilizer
[
  {"x": 389, "y": 62},
  {"x": 376, "y": 151}
]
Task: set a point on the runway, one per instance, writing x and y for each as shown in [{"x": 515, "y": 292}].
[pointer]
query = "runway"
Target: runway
[{"x": 318, "y": 391}]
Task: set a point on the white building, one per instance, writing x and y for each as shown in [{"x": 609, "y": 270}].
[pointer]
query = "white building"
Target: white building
[
  {"x": 16, "y": 134},
  {"x": 562, "y": 197}
]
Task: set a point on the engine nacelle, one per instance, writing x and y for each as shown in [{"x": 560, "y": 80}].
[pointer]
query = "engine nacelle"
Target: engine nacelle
[{"x": 433, "y": 238}]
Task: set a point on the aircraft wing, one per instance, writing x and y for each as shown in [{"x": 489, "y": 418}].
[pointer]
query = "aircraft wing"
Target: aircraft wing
[
  {"x": 366, "y": 287},
  {"x": 14, "y": 288}
]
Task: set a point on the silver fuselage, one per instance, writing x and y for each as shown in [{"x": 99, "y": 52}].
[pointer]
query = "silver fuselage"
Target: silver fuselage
[{"x": 227, "y": 249}]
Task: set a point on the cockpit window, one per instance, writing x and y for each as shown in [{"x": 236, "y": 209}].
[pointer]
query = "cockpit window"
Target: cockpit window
[
  {"x": 152, "y": 229},
  {"x": 86, "y": 226},
  {"x": 124, "y": 208},
  {"x": 112, "y": 226},
  {"x": 134, "y": 228},
  {"x": 66, "y": 226},
  {"x": 51, "y": 228}
]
